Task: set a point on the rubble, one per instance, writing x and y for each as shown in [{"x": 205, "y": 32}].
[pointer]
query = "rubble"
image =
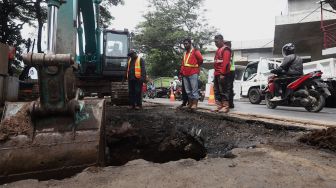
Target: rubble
[
  {"x": 16, "y": 125},
  {"x": 325, "y": 138}
]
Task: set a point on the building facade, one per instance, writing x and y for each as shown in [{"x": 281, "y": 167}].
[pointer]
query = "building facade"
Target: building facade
[{"x": 302, "y": 26}]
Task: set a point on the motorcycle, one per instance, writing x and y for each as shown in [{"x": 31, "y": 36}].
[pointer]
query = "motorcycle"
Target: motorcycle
[
  {"x": 308, "y": 91},
  {"x": 151, "y": 93},
  {"x": 177, "y": 93}
]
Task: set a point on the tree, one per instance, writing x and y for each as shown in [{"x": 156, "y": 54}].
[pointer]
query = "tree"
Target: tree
[
  {"x": 105, "y": 14},
  {"x": 165, "y": 26},
  {"x": 13, "y": 15}
]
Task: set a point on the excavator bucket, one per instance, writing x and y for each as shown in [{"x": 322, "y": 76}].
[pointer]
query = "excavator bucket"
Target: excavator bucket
[{"x": 52, "y": 146}]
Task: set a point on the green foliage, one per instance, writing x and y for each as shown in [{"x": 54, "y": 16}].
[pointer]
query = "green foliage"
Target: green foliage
[
  {"x": 15, "y": 13},
  {"x": 161, "y": 34}
]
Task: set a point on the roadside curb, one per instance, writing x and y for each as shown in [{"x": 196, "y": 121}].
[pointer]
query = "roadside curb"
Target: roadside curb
[{"x": 268, "y": 122}]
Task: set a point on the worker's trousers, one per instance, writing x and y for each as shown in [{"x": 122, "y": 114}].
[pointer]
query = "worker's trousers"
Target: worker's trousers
[
  {"x": 184, "y": 94},
  {"x": 134, "y": 92},
  {"x": 191, "y": 86},
  {"x": 231, "y": 77},
  {"x": 221, "y": 88}
]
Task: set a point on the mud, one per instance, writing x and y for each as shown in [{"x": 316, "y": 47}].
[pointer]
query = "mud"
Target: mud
[
  {"x": 325, "y": 138},
  {"x": 151, "y": 146},
  {"x": 16, "y": 125}
]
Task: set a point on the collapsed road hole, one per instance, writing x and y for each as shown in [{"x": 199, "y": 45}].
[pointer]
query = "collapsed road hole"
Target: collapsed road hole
[
  {"x": 161, "y": 134},
  {"x": 153, "y": 139}
]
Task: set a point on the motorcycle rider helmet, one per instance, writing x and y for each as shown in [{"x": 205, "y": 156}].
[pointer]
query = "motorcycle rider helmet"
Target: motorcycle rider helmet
[{"x": 288, "y": 49}]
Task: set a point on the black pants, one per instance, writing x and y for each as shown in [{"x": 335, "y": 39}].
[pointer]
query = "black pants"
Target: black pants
[
  {"x": 230, "y": 79},
  {"x": 281, "y": 83},
  {"x": 221, "y": 88},
  {"x": 134, "y": 92},
  {"x": 184, "y": 95}
]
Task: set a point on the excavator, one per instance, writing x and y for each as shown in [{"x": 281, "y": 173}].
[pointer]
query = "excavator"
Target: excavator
[{"x": 63, "y": 130}]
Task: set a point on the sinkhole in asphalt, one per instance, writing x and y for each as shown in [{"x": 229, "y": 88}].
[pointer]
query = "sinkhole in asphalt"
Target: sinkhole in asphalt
[{"x": 161, "y": 134}]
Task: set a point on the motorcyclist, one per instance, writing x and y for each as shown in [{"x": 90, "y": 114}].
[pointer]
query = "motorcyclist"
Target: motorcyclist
[
  {"x": 176, "y": 82},
  {"x": 288, "y": 71}
]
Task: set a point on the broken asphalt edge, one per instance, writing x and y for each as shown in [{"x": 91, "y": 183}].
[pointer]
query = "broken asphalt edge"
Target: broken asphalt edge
[{"x": 272, "y": 122}]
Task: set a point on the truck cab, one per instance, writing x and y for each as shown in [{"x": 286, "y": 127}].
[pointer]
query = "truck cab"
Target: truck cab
[{"x": 255, "y": 77}]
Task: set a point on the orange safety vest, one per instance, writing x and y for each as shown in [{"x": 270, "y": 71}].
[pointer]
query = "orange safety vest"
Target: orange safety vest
[
  {"x": 186, "y": 61},
  {"x": 137, "y": 67}
]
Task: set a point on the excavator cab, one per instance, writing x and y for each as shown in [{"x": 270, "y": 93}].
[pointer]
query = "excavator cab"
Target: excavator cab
[{"x": 116, "y": 47}]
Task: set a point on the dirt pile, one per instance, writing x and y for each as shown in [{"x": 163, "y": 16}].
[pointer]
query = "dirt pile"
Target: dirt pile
[
  {"x": 15, "y": 125},
  {"x": 325, "y": 138}
]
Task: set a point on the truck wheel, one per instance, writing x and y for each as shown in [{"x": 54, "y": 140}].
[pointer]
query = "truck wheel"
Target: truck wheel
[
  {"x": 254, "y": 96},
  {"x": 269, "y": 104}
]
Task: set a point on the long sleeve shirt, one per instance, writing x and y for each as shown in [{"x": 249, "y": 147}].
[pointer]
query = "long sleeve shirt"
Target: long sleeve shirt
[
  {"x": 222, "y": 61},
  {"x": 191, "y": 57}
]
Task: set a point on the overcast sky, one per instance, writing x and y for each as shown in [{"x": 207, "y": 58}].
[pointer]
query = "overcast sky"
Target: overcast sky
[{"x": 235, "y": 19}]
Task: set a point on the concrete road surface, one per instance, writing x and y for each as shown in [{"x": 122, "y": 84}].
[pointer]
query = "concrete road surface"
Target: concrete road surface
[{"x": 326, "y": 117}]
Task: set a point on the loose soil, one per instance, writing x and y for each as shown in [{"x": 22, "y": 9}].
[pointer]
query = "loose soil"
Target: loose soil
[
  {"x": 325, "y": 138},
  {"x": 163, "y": 147},
  {"x": 18, "y": 124}
]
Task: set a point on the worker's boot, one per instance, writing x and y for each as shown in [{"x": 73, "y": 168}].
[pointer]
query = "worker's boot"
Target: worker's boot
[
  {"x": 219, "y": 106},
  {"x": 226, "y": 107},
  {"x": 231, "y": 105},
  {"x": 194, "y": 104},
  {"x": 183, "y": 105},
  {"x": 190, "y": 102}
]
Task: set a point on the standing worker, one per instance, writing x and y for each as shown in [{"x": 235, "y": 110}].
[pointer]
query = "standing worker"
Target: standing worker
[
  {"x": 190, "y": 68},
  {"x": 221, "y": 76},
  {"x": 231, "y": 76},
  {"x": 136, "y": 75}
]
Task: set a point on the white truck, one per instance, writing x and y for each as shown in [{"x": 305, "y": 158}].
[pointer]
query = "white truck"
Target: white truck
[
  {"x": 256, "y": 73},
  {"x": 255, "y": 77},
  {"x": 328, "y": 68}
]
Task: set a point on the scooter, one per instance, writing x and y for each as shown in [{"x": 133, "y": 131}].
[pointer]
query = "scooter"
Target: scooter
[{"x": 308, "y": 91}]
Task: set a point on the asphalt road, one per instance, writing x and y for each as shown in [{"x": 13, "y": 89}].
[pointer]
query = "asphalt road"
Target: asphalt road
[{"x": 327, "y": 115}]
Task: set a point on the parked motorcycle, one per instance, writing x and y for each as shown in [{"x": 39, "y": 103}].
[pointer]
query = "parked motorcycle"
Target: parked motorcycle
[
  {"x": 177, "y": 93},
  {"x": 308, "y": 91},
  {"x": 151, "y": 94}
]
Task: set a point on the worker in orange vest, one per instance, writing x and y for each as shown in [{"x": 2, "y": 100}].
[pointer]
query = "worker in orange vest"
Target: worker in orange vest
[
  {"x": 221, "y": 75},
  {"x": 136, "y": 76},
  {"x": 190, "y": 68}
]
